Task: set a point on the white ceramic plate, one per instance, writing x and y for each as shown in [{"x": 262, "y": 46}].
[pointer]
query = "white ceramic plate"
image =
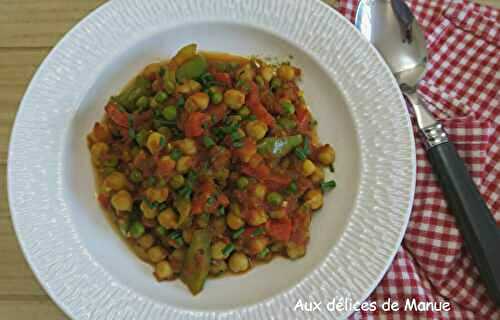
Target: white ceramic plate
[{"x": 81, "y": 262}]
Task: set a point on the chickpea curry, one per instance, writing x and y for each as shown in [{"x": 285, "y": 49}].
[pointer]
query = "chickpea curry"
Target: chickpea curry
[{"x": 209, "y": 163}]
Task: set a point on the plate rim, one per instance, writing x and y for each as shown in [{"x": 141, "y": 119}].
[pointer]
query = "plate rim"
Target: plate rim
[{"x": 82, "y": 22}]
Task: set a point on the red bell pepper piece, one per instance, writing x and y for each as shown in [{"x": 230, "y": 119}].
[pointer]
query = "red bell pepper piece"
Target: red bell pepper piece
[
  {"x": 193, "y": 127},
  {"x": 279, "y": 230},
  {"x": 253, "y": 102},
  {"x": 223, "y": 78},
  {"x": 117, "y": 116}
]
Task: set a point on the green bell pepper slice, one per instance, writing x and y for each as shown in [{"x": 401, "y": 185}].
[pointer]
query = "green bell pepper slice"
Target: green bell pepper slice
[
  {"x": 279, "y": 146},
  {"x": 197, "y": 261}
]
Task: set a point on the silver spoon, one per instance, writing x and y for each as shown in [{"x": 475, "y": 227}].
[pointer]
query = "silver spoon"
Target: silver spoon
[{"x": 390, "y": 26}]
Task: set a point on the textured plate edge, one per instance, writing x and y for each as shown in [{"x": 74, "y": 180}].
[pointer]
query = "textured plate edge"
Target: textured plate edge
[{"x": 61, "y": 43}]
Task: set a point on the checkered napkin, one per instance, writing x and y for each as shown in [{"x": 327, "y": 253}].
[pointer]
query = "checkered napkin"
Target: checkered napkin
[{"x": 462, "y": 89}]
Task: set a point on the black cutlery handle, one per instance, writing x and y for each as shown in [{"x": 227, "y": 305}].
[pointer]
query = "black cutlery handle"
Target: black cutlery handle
[{"x": 474, "y": 219}]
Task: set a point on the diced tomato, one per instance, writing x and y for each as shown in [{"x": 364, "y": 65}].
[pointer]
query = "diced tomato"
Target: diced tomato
[
  {"x": 193, "y": 127},
  {"x": 223, "y": 78},
  {"x": 117, "y": 116},
  {"x": 165, "y": 166},
  {"x": 217, "y": 112},
  {"x": 261, "y": 172},
  {"x": 279, "y": 230},
  {"x": 253, "y": 102},
  {"x": 207, "y": 188},
  {"x": 248, "y": 149},
  {"x": 103, "y": 199},
  {"x": 223, "y": 200},
  {"x": 300, "y": 228},
  {"x": 279, "y": 179},
  {"x": 143, "y": 118},
  {"x": 303, "y": 118}
]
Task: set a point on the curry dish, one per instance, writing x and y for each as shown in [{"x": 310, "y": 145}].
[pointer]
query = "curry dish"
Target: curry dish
[{"x": 209, "y": 163}]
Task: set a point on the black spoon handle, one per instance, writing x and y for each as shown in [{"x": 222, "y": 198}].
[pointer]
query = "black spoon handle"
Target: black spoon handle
[{"x": 474, "y": 219}]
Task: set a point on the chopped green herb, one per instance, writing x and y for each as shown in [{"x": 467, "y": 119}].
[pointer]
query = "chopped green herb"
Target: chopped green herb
[
  {"x": 238, "y": 233},
  {"x": 258, "y": 232},
  {"x": 263, "y": 253},
  {"x": 228, "y": 249},
  {"x": 180, "y": 102},
  {"x": 332, "y": 168},
  {"x": 211, "y": 200},
  {"x": 304, "y": 151},
  {"x": 176, "y": 154},
  {"x": 163, "y": 142},
  {"x": 237, "y": 144},
  {"x": 292, "y": 188},
  {"x": 328, "y": 185},
  {"x": 208, "y": 142},
  {"x": 221, "y": 211},
  {"x": 131, "y": 133},
  {"x": 175, "y": 234}
]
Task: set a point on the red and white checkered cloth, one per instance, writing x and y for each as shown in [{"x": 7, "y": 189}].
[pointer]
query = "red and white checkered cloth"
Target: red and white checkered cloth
[{"x": 462, "y": 88}]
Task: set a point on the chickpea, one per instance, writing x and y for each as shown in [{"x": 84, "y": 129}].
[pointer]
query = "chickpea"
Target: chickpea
[
  {"x": 256, "y": 129},
  {"x": 157, "y": 194},
  {"x": 188, "y": 87},
  {"x": 278, "y": 213},
  {"x": 257, "y": 217},
  {"x": 267, "y": 73},
  {"x": 256, "y": 245},
  {"x": 318, "y": 175},
  {"x": 147, "y": 211},
  {"x": 176, "y": 259},
  {"x": 155, "y": 142},
  {"x": 326, "y": 155},
  {"x": 163, "y": 270},
  {"x": 168, "y": 219},
  {"x": 177, "y": 181},
  {"x": 115, "y": 181},
  {"x": 97, "y": 151},
  {"x": 187, "y": 146},
  {"x": 286, "y": 72},
  {"x": 295, "y": 251},
  {"x": 219, "y": 225},
  {"x": 234, "y": 222},
  {"x": 146, "y": 241},
  {"x": 100, "y": 133},
  {"x": 235, "y": 209},
  {"x": 235, "y": 99},
  {"x": 314, "y": 198},
  {"x": 238, "y": 262},
  {"x": 217, "y": 250},
  {"x": 156, "y": 254},
  {"x": 247, "y": 73},
  {"x": 184, "y": 164},
  {"x": 260, "y": 191},
  {"x": 308, "y": 167},
  {"x": 122, "y": 201},
  {"x": 218, "y": 267},
  {"x": 166, "y": 165},
  {"x": 187, "y": 235},
  {"x": 198, "y": 101}
]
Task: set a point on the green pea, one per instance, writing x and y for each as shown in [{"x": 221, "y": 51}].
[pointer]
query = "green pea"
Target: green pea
[
  {"x": 274, "y": 198},
  {"x": 150, "y": 181},
  {"x": 136, "y": 229},
  {"x": 161, "y": 96},
  {"x": 161, "y": 231},
  {"x": 161, "y": 183},
  {"x": 245, "y": 111},
  {"x": 111, "y": 162},
  {"x": 170, "y": 113},
  {"x": 275, "y": 83},
  {"x": 143, "y": 102},
  {"x": 288, "y": 107},
  {"x": 208, "y": 142},
  {"x": 136, "y": 176},
  {"x": 242, "y": 182},
  {"x": 141, "y": 137},
  {"x": 216, "y": 97},
  {"x": 177, "y": 181}
]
